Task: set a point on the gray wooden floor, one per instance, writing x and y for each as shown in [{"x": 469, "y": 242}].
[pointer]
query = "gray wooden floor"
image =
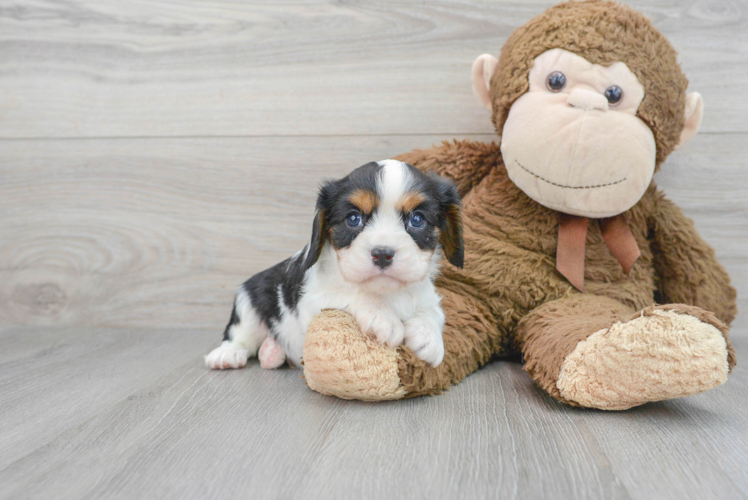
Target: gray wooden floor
[
  {"x": 154, "y": 154},
  {"x": 132, "y": 413}
]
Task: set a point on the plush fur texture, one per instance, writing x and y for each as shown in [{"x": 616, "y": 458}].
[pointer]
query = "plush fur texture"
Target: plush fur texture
[
  {"x": 509, "y": 301},
  {"x": 331, "y": 361}
]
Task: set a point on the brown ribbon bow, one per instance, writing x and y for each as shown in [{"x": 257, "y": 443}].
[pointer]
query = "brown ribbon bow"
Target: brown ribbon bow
[{"x": 572, "y": 236}]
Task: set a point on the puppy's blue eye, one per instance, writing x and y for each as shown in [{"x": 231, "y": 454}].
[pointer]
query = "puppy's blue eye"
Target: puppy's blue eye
[
  {"x": 416, "y": 220},
  {"x": 353, "y": 219}
]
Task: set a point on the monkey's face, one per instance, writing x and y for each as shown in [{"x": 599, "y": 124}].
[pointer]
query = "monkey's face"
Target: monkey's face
[{"x": 573, "y": 142}]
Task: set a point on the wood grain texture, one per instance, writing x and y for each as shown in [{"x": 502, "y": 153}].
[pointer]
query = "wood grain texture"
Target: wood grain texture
[
  {"x": 94, "y": 420},
  {"x": 160, "y": 232},
  {"x": 51, "y": 379},
  {"x": 190, "y": 68}
]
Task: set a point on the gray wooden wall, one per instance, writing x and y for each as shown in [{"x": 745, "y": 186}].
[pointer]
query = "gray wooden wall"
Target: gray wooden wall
[{"x": 154, "y": 154}]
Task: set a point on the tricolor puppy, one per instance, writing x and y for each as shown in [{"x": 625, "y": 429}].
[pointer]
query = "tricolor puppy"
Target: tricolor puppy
[{"x": 377, "y": 240}]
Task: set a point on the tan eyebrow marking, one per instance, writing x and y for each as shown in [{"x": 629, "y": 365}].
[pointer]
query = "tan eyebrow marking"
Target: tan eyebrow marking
[
  {"x": 409, "y": 201},
  {"x": 365, "y": 200}
]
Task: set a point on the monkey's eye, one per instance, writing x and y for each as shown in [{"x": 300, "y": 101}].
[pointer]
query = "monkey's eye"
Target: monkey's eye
[
  {"x": 556, "y": 81},
  {"x": 353, "y": 219},
  {"x": 614, "y": 94}
]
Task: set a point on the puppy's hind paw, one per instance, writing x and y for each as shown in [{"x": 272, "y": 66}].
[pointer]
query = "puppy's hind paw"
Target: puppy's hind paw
[
  {"x": 227, "y": 355},
  {"x": 271, "y": 354}
]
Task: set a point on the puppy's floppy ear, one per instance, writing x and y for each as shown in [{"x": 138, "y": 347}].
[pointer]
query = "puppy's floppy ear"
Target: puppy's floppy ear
[
  {"x": 319, "y": 234},
  {"x": 320, "y": 224},
  {"x": 451, "y": 224}
]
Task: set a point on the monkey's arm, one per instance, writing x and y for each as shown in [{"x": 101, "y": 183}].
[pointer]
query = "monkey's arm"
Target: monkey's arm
[
  {"x": 464, "y": 162},
  {"x": 687, "y": 267}
]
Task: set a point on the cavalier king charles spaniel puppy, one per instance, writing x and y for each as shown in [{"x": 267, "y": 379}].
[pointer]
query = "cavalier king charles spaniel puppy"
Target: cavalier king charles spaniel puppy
[{"x": 377, "y": 240}]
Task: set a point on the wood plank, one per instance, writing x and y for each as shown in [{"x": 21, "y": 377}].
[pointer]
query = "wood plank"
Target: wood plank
[
  {"x": 186, "y": 432},
  {"x": 58, "y": 378},
  {"x": 160, "y": 232},
  {"x": 191, "y": 68}
]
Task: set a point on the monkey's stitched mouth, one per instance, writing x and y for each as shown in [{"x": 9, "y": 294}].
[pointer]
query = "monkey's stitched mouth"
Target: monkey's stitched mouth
[{"x": 561, "y": 185}]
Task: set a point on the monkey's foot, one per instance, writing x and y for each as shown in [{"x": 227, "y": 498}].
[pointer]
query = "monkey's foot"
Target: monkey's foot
[
  {"x": 339, "y": 360},
  {"x": 664, "y": 352}
]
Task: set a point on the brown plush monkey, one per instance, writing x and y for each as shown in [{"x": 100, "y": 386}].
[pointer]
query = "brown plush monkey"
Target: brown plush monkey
[{"x": 569, "y": 245}]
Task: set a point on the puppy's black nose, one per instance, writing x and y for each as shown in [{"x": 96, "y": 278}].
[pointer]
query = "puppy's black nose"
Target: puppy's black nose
[{"x": 382, "y": 256}]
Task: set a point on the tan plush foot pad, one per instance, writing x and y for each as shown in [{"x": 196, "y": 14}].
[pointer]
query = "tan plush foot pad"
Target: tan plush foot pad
[
  {"x": 660, "y": 355},
  {"x": 341, "y": 361}
]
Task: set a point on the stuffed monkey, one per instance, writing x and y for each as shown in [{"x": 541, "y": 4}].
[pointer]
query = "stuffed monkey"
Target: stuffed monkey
[{"x": 574, "y": 260}]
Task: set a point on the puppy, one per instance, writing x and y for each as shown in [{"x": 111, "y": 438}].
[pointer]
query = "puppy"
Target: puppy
[{"x": 377, "y": 239}]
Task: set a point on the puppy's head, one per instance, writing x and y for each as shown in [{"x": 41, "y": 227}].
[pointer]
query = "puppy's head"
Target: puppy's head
[{"x": 388, "y": 224}]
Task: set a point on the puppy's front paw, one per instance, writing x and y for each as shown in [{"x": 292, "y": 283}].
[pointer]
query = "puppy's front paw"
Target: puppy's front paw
[
  {"x": 424, "y": 338},
  {"x": 227, "y": 355},
  {"x": 382, "y": 325}
]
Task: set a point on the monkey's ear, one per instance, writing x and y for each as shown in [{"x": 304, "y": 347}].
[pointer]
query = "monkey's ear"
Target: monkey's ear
[
  {"x": 483, "y": 69},
  {"x": 451, "y": 227},
  {"x": 694, "y": 112}
]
